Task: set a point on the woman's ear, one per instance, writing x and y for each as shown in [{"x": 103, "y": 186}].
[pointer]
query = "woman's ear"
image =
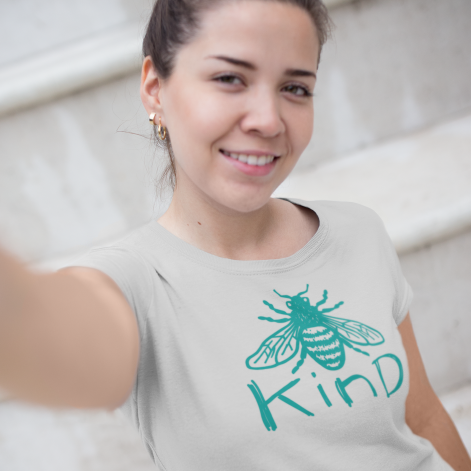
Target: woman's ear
[{"x": 150, "y": 88}]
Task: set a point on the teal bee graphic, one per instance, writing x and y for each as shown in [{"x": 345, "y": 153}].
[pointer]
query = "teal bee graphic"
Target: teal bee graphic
[{"x": 321, "y": 337}]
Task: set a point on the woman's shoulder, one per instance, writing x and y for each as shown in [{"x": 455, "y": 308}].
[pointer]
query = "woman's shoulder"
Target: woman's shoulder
[
  {"x": 353, "y": 226},
  {"x": 343, "y": 213},
  {"x": 132, "y": 245},
  {"x": 125, "y": 262},
  {"x": 125, "y": 259}
]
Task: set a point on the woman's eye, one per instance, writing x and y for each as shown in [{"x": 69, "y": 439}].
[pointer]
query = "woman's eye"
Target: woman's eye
[
  {"x": 230, "y": 79},
  {"x": 297, "y": 90}
]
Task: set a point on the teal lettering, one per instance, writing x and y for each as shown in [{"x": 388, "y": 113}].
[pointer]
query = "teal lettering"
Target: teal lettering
[
  {"x": 262, "y": 403},
  {"x": 341, "y": 385},
  {"x": 324, "y": 395},
  {"x": 401, "y": 372}
]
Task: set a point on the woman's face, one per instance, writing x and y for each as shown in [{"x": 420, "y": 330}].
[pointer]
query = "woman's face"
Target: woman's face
[{"x": 238, "y": 105}]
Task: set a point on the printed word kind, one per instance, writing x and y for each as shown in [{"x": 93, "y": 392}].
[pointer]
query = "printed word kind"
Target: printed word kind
[{"x": 341, "y": 386}]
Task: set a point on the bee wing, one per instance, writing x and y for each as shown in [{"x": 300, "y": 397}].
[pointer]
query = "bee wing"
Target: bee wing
[
  {"x": 354, "y": 331},
  {"x": 275, "y": 350}
]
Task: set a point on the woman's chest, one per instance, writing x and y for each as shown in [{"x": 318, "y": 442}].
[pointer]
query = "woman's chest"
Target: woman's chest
[{"x": 294, "y": 353}]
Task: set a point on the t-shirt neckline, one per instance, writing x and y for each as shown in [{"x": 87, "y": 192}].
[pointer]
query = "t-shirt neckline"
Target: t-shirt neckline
[{"x": 248, "y": 267}]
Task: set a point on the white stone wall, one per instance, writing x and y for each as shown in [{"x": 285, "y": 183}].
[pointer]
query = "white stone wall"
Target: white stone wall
[
  {"x": 30, "y": 27},
  {"x": 72, "y": 172},
  {"x": 392, "y": 68},
  {"x": 440, "y": 276}
]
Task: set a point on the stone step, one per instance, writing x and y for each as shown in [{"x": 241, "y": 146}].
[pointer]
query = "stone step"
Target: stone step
[
  {"x": 419, "y": 184},
  {"x": 70, "y": 68}
]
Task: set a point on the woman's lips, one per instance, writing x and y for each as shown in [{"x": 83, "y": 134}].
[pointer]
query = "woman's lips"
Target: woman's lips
[{"x": 250, "y": 163}]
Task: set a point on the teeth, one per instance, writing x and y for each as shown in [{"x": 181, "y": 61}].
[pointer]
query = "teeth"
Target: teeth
[
  {"x": 251, "y": 159},
  {"x": 261, "y": 161}
]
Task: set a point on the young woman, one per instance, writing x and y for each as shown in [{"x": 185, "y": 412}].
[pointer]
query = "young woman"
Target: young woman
[{"x": 239, "y": 332}]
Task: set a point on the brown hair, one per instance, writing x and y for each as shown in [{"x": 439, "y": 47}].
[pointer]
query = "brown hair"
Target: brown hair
[{"x": 174, "y": 22}]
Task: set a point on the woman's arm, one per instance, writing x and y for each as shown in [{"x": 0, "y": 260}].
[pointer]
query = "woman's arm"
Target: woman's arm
[
  {"x": 425, "y": 414},
  {"x": 66, "y": 339}
]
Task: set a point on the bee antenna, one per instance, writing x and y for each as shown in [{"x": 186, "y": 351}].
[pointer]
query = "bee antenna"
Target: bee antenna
[
  {"x": 303, "y": 292},
  {"x": 282, "y": 295}
]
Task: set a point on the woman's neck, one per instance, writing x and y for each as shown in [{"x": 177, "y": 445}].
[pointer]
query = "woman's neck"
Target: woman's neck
[{"x": 276, "y": 230}]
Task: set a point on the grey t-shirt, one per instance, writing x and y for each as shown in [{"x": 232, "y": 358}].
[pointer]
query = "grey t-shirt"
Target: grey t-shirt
[{"x": 286, "y": 364}]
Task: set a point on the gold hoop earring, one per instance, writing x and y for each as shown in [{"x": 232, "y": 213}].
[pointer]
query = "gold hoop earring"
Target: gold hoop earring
[
  {"x": 152, "y": 118},
  {"x": 161, "y": 131}
]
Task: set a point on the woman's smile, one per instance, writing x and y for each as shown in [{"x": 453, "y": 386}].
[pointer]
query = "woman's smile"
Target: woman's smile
[{"x": 251, "y": 162}]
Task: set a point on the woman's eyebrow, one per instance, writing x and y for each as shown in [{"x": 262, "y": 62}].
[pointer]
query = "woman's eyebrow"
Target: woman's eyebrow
[
  {"x": 250, "y": 66},
  {"x": 233, "y": 60},
  {"x": 300, "y": 73}
]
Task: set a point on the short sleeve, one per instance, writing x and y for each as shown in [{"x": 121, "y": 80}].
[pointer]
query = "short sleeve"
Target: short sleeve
[
  {"x": 404, "y": 300},
  {"x": 130, "y": 272},
  {"x": 403, "y": 294}
]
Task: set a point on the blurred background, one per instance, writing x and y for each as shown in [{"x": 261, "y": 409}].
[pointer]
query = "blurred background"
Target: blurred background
[{"x": 77, "y": 169}]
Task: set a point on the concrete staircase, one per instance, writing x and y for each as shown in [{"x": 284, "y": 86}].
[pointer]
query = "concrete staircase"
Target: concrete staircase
[{"x": 393, "y": 132}]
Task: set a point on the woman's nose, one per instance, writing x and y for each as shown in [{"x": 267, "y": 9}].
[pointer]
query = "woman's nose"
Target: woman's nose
[{"x": 263, "y": 115}]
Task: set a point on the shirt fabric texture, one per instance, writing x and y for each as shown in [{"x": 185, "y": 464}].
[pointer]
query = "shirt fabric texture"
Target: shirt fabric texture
[{"x": 284, "y": 364}]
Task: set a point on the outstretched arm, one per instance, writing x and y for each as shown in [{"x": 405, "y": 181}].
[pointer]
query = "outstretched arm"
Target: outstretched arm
[
  {"x": 66, "y": 339},
  {"x": 425, "y": 414}
]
